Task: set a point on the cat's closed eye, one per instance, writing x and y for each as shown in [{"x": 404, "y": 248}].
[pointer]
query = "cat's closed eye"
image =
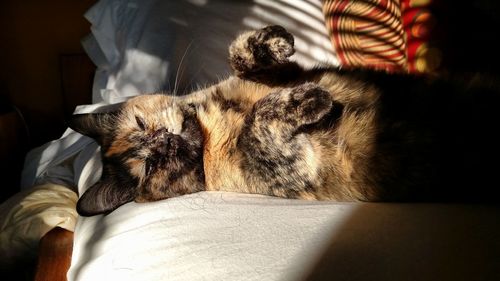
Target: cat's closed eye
[{"x": 140, "y": 122}]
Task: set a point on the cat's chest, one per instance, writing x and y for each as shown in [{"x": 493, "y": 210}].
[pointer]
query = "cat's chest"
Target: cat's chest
[
  {"x": 221, "y": 129},
  {"x": 222, "y": 117}
]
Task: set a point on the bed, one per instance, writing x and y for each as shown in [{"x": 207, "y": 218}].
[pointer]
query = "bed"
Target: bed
[{"x": 176, "y": 46}]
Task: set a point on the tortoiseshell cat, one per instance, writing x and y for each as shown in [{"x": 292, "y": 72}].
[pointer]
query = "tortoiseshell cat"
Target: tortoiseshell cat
[{"x": 278, "y": 129}]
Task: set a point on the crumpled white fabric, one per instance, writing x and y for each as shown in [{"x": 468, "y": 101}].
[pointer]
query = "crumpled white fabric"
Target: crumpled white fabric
[{"x": 66, "y": 160}]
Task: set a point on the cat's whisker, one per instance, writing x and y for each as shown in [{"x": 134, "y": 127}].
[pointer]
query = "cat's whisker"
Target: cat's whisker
[
  {"x": 193, "y": 77},
  {"x": 180, "y": 70}
]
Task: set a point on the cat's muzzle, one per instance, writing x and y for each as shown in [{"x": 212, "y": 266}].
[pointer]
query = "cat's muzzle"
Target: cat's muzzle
[
  {"x": 168, "y": 144},
  {"x": 163, "y": 143}
]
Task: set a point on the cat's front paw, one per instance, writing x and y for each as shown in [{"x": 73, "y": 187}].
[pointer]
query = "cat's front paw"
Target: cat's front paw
[
  {"x": 310, "y": 103},
  {"x": 302, "y": 105},
  {"x": 256, "y": 50}
]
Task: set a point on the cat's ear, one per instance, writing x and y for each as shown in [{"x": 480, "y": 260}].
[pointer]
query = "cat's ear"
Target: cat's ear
[
  {"x": 104, "y": 197},
  {"x": 94, "y": 125}
]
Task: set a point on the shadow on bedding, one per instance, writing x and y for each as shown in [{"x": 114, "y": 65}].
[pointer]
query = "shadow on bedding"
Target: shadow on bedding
[{"x": 414, "y": 242}]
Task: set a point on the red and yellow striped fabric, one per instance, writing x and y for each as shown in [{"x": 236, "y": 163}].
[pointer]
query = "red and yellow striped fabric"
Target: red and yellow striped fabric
[
  {"x": 419, "y": 22},
  {"x": 367, "y": 33},
  {"x": 390, "y": 35}
]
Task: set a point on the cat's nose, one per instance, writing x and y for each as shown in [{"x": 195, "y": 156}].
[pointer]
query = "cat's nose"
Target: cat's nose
[
  {"x": 159, "y": 133},
  {"x": 170, "y": 144}
]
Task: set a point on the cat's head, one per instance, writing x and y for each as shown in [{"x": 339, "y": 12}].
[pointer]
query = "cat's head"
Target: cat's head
[{"x": 152, "y": 149}]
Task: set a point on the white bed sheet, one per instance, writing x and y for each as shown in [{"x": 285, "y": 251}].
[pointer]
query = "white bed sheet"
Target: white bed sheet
[
  {"x": 229, "y": 236},
  {"x": 203, "y": 236}
]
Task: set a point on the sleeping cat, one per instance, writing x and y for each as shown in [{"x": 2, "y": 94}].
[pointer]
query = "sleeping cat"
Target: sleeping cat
[{"x": 278, "y": 129}]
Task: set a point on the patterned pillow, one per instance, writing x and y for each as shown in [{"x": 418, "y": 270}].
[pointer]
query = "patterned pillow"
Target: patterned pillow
[
  {"x": 390, "y": 35},
  {"x": 423, "y": 55},
  {"x": 367, "y": 33}
]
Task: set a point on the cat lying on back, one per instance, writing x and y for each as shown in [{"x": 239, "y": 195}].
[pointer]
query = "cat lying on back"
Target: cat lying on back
[{"x": 278, "y": 129}]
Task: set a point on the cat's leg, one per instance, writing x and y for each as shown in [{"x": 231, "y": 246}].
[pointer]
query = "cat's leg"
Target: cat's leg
[
  {"x": 259, "y": 54},
  {"x": 276, "y": 118},
  {"x": 273, "y": 147},
  {"x": 288, "y": 109}
]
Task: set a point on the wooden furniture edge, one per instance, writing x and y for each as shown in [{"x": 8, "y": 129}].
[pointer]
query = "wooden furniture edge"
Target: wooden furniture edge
[{"x": 54, "y": 255}]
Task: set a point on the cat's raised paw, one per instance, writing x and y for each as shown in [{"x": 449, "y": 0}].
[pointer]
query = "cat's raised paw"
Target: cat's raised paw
[
  {"x": 261, "y": 49},
  {"x": 271, "y": 43}
]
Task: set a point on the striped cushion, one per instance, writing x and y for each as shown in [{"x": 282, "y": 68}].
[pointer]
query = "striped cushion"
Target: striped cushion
[
  {"x": 367, "y": 33},
  {"x": 390, "y": 35}
]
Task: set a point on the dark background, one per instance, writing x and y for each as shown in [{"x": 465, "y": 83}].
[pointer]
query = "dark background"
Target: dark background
[{"x": 44, "y": 75}]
